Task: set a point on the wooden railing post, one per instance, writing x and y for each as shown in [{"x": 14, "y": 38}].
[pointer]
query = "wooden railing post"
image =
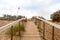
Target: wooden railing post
[
  {"x": 53, "y": 33},
  {"x": 11, "y": 32},
  {"x": 19, "y": 28},
  {"x": 43, "y": 30},
  {"x": 39, "y": 28},
  {"x": 19, "y": 31},
  {"x": 36, "y": 21},
  {"x": 39, "y": 25}
]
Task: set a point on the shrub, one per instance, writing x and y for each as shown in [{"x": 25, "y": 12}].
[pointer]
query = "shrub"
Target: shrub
[
  {"x": 16, "y": 30},
  {"x": 55, "y": 16}
]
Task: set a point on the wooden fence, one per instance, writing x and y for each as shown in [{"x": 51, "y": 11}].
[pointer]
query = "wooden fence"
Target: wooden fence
[
  {"x": 48, "y": 30},
  {"x": 10, "y": 25}
]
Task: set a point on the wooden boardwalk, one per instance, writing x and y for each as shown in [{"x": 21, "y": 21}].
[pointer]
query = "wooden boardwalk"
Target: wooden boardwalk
[{"x": 31, "y": 32}]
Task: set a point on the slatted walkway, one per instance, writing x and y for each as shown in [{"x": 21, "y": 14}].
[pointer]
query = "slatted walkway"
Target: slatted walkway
[{"x": 31, "y": 32}]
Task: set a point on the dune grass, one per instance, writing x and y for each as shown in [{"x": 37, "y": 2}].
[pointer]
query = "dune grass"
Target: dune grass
[{"x": 16, "y": 29}]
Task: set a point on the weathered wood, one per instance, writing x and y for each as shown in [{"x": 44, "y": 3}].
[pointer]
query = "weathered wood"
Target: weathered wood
[
  {"x": 11, "y": 32},
  {"x": 43, "y": 30},
  {"x": 3, "y": 28},
  {"x": 53, "y": 33},
  {"x": 19, "y": 28},
  {"x": 50, "y": 23},
  {"x": 53, "y": 25}
]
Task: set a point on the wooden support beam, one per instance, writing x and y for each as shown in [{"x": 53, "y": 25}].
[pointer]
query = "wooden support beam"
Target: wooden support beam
[
  {"x": 11, "y": 32},
  {"x": 43, "y": 30},
  {"x": 53, "y": 33}
]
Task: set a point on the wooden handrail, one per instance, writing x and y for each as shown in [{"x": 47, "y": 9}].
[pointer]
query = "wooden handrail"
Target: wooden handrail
[
  {"x": 53, "y": 28},
  {"x": 9, "y": 25},
  {"x": 50, "y": 23}
]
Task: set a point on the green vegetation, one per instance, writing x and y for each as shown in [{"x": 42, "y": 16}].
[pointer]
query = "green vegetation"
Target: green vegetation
[
  {"x": 55, "y": 16},
  {"x": 33, "y": 17},
  {"x": 16, "y": 29},
  {"x": 10, "y": 17}
]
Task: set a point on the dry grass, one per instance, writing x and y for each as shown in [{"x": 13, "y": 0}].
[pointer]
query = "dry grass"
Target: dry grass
[
  {"x": 2, "y": 22},
  {"x": 6, "y": 35}
]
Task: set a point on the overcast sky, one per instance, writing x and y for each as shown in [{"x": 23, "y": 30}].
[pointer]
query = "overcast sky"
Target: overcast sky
[{"x": 29, "y": 8}]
